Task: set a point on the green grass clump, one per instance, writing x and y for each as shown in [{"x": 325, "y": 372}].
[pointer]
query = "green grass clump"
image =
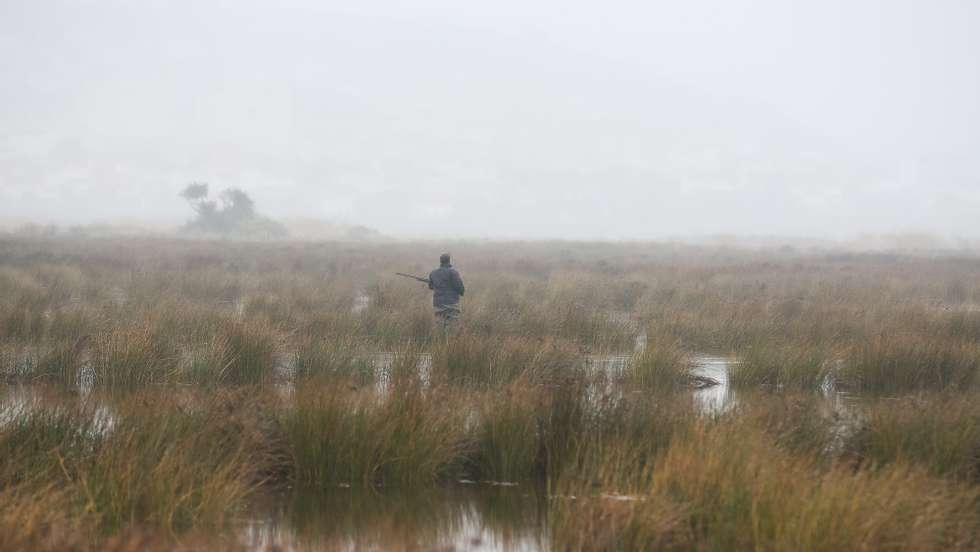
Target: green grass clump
[
  {"x": 728, "y": 487},
  {"x": 39, "y": 438},
  {"x": 343, "y": 435},
  {"x": 23, "y": 321},
  {"x": 45, "y": 517},
  {"x": 663, "y": 364},
  {"x": 207, "y": 363},
  {"x": 778, "y": 366},
  {"x": 902, "y": 363},
  {"x": 508, "y": 433},
  {"x": 251, "y": 348},
  {"x": 74, "y": 321},
  {"x": 176, "y": 467},
  {"x": 939, "y": 432},
  {"x": 131, "y": 358},
  {"x": 472, "y": 360},
  {"x": 147, "y": 460},
  {"x": 800, "y": 422},
  {"x": 318, "y": 358}
]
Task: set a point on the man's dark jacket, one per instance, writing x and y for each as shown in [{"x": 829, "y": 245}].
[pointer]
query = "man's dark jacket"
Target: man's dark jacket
[{"x": 446, "y": 285}]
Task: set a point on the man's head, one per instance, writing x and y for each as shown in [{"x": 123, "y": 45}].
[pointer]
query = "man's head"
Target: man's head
[{"x": 444, "y": 259}]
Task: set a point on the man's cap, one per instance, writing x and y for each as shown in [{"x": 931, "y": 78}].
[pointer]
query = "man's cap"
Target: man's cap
[{"x": 444, "y": 258}]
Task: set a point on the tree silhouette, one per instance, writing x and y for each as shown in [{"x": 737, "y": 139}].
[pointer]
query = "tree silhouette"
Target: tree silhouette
[{"x": 235, "y": 217}]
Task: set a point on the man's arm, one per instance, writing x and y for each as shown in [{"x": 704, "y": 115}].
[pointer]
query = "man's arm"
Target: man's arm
[
  {"x": 458, "y": 283},
  {"x": 431, "y": 274}
]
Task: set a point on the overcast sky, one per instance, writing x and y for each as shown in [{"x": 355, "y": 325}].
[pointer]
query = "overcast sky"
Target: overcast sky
[{"x": 447, "y": 118}]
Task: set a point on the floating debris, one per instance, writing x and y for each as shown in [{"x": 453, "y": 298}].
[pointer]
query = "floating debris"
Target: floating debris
[
  {"x": 700, "y": 382},
  {"x": 502, "y": 483},
  {"x": 622, "y": 498}
]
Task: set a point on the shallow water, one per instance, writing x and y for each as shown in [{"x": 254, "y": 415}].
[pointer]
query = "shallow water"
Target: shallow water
[
  {"x": 361, "y": 302},
  {"x": 710, "y": 399},
  {"x": 456, "y": 517},
  {"x": 714, "y": 399},
  {"x": 22, "y": 400}
]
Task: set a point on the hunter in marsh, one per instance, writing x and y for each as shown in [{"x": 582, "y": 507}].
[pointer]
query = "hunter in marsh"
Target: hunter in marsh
[{"x": 447, "y": 288}]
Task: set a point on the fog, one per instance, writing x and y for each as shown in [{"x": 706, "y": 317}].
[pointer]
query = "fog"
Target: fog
[{"x": 547, "y": 119}]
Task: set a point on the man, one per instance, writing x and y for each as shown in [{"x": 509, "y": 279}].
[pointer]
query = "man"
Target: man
[{"x": 447, "y": 288}]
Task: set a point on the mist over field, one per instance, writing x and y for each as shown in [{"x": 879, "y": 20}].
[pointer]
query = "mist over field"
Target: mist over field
[
  {"x": 440, "y": 119},
  {"x": 512, "y": 275}
]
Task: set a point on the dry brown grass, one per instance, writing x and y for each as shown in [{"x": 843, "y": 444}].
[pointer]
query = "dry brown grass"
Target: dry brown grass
[
  {"x": 155, "y": 321},
  {"x": 730, "y": 488}
]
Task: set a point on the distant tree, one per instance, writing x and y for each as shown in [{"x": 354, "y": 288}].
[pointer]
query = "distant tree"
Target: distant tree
[
  {"x": 235, "y": 217},
  {"x": 196, "y": 195},
  {"x": 237, "y": 205},
  {"x": 195, "y": 191}
]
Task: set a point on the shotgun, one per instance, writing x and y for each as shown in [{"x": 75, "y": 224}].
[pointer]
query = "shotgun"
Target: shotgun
[{"x": 423, "y": 280}]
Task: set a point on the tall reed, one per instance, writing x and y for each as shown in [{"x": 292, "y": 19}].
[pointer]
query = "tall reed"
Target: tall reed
[
  {"x": 473, "y": 360},
  {"x": 897, "y": 363},
  {"x": 727, "y": 487},
  {"x": 318, "y": 358},
  {"x": 131, "y": 358},
  {"x": 342, "y": 435},
  {"x": 662, "y": 364},
  {"x": 940, "y": 432},
  {"x": 508, "y": 440},
  {"x": 793, "y": 366},
  {"x": 252, "y": 346}
]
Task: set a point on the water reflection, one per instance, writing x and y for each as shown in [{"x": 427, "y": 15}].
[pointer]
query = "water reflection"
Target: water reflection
[
  {"x": 459, "y": 517},
  {"x": 20, "y": 401},
  {"x": 713, "y": 399},
  {"x": 361, "y": 302},
  {"x": 710, "y": 399}
]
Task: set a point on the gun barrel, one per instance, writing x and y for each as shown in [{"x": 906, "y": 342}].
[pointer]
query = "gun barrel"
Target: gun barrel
[{"x": 423, "y": 280}]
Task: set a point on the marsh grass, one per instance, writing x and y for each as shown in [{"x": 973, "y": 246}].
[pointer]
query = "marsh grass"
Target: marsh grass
[
  {"x": 132, "y": 358},
  {"x": 43, "y": 517},
  {"x": 477, "y": 361},
  {"x": 74, "y": 321},
  {"x": 342, "y": 435},
  {"x": 23, "y": 321},
  {"x": 783, "y": 311},
  {"x": 901, "y": 363},
  {"x": 799, "y": 422},
  {"x": 317, "y": 358},
  {"x": 779, "y": 366},
  {"x": 206, "y": 364},
  {"x": 662, "y": 364},
  {"x": 508, "y": 440},
  {"x": 962, "y": 325},
  {"x": 940, "y": 432},
  {"x": 25, "y": 363},
  {"x": 38, "y": 438},
  {"x": 725, "y": 487},
  {"x": 156, "y": 462},
  {"x": 507, "y": 397},
  {"x": 630, "y": 431},
  {"x": 251, "y": 347},
  {"x": 176, "y": 467}
]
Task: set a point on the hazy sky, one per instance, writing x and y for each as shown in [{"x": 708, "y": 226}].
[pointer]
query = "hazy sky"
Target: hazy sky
[{"x": 447, "y": 118}]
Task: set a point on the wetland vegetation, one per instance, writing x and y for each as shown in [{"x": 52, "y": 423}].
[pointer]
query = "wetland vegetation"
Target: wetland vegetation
[{"x": 157, "y": 393}]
